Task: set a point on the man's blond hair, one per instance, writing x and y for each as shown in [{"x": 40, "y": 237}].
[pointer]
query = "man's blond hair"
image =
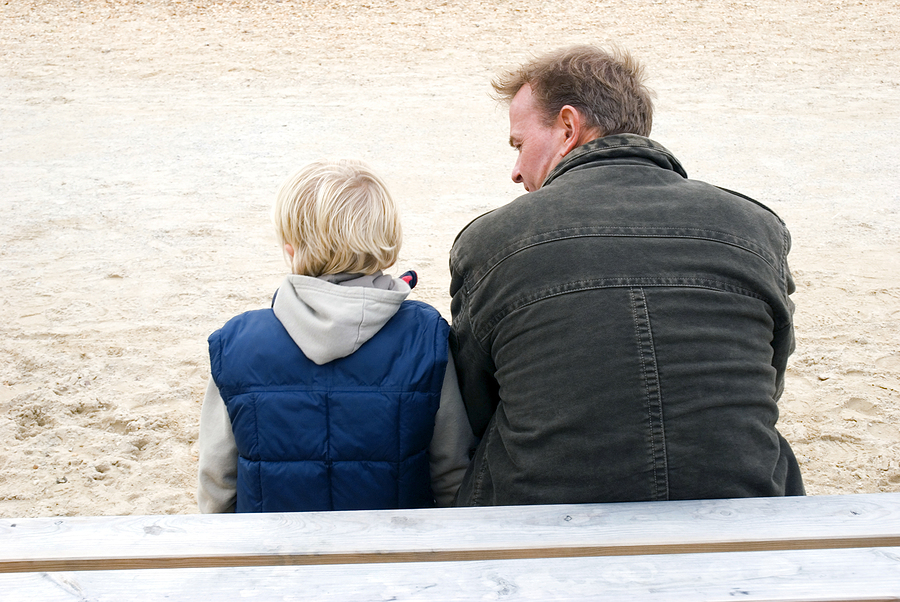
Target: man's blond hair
[{"x": 339, "y": 218}]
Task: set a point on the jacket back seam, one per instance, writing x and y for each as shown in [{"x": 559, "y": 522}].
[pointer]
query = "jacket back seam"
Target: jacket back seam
[
  {"x": 581, "y": 286},
  {"x": 652, "y": 390},
  {"x": 623, "y": 232}
]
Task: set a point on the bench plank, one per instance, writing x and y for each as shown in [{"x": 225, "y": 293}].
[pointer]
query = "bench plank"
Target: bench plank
[
  {"x": 797, "y": 575},
  {"x": 449, "y": 534}
]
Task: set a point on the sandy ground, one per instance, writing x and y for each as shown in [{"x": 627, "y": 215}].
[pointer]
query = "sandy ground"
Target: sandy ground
[{"x": 141, "y": 144}]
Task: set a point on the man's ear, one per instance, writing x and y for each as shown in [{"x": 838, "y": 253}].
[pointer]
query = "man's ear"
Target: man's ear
[{"x": 576, "y": 130}]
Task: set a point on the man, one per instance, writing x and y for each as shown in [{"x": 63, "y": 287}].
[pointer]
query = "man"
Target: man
[{"x": 621, "y": 332}]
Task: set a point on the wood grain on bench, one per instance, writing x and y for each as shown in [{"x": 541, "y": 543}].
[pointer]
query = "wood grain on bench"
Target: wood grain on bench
[
  {"x": 841, "y": 575},
  {"x": 452, "y": 534}
]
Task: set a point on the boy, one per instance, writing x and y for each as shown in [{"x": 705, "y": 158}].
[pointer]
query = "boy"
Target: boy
[{"x": 342, "y": 395}]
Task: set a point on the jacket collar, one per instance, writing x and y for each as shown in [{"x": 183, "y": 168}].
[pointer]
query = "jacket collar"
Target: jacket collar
[{"x": 617, "y": 148}]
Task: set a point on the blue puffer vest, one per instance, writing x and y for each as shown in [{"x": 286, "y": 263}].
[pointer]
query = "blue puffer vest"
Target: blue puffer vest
[{"x": 351, "y": 434}]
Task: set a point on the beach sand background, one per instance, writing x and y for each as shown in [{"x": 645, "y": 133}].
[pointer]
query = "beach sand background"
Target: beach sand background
[{"x": 141, "y": 144}]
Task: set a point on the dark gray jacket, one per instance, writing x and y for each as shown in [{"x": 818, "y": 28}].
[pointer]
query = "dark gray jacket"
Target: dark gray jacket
[{"x": 621, "y": 334}]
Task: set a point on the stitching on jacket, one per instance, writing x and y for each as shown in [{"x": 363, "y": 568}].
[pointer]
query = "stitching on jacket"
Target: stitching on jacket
[
  {"x": 483, "y": 334},
  {"x": 650, "y": 376},
  {"x": 620, "y": 232},
  {"x": 479, "y": 480},
  {"x": 640, "y": 349},
  {"x": 466, "y": 310},
  {"x": 786, "y": 248}
]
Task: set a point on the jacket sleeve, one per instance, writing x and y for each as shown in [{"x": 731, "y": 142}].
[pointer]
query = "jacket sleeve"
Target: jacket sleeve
[
  {"x": 217, "y": 473},
  {"x": 451, "y": 442},
  {"x": 783, "y": 342},
  {"x": 475, "y": 366}
]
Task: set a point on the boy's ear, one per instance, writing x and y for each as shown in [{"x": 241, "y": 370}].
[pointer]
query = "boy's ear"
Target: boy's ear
[{"x": 289, "y": 250}]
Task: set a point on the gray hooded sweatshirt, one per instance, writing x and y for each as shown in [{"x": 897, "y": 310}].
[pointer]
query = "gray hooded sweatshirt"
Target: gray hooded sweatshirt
[{"x": 328, "y": 318}]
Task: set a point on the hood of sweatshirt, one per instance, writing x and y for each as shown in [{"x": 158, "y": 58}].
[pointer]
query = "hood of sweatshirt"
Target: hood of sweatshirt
[{"x": 332, "y": 316}]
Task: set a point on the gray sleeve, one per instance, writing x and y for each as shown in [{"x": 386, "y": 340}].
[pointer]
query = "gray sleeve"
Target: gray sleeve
[
  {"x": 451, "y": 442},
  {"x": 217, "y": 473}
]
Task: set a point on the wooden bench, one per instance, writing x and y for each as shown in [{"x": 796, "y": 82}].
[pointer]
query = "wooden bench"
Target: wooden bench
[{"x": 813, "y": 548}]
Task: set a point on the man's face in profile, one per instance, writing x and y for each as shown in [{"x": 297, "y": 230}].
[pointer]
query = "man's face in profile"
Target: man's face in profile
[{"x": 540, "y": 146}]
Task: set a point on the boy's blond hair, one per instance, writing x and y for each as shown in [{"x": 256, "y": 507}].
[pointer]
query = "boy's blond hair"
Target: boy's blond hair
[{"x": 339, "y": 218}]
